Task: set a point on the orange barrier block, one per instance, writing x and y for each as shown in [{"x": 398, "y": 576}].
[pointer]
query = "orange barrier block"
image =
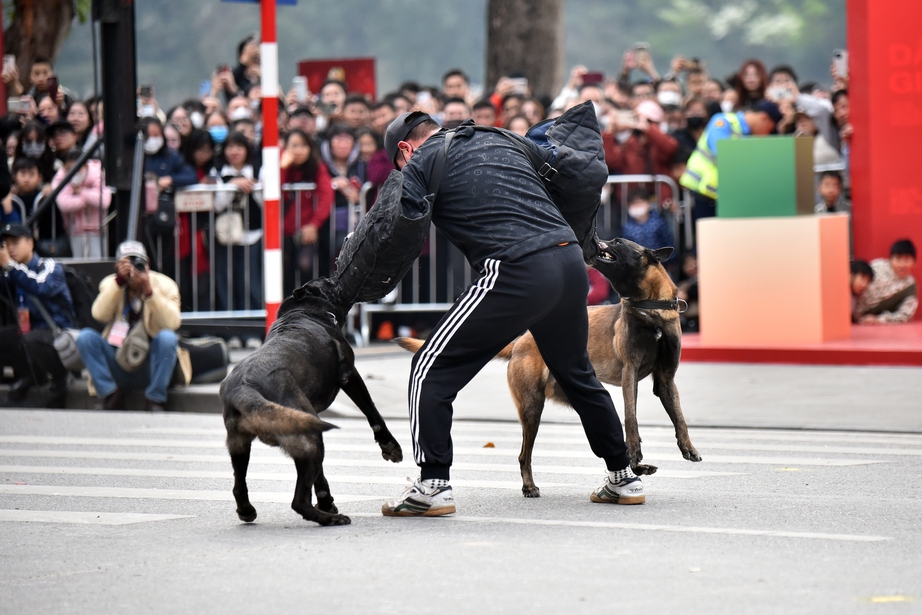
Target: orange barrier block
[{"x": 773, "y": 281}]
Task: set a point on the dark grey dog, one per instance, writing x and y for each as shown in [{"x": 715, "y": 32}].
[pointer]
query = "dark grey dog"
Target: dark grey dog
[{"x": 276, "y": 392}]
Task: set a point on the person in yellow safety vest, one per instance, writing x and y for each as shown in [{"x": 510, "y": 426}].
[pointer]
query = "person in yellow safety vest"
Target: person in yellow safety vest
[{"x": 701, "y": 170}]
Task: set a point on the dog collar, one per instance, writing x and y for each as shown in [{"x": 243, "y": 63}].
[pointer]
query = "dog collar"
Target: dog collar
[{"x": 651, "y": 304}]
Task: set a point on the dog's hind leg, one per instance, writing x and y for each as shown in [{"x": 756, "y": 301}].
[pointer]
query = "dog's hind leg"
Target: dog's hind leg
[
  {"x": 530, "y": 407},
  {"x": 238, "y": 445},
  {"x": 324, "y": 497},
  {"x": 665, "y": 388},
  {"x": 308, "y": 471},
  {"x": 353, "y": 386}
]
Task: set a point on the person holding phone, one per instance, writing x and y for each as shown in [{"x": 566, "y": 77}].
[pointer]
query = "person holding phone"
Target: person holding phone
[
  {"x": 134, "y": 296},
  {"x": 44, "y": 83}
]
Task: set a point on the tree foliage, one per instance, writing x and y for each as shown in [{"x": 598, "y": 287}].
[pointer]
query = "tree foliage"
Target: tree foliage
[{"x": 180, "y": 42}]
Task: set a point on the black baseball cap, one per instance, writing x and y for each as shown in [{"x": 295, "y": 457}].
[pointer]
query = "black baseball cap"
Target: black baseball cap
[
  {"x": 398, "y": 130},
  {"x": 302, "y": 110},
  {"x": 58, "y": 126},
  {"x": 15, "y": 230},
  {"x": 769, "y": 108}
]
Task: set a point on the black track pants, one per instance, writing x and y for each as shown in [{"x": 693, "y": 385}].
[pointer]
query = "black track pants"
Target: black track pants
[{"x": 545, "y": 293}]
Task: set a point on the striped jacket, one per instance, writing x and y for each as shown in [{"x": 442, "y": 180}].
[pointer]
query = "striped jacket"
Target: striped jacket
[{"x": 42, "y": 278}]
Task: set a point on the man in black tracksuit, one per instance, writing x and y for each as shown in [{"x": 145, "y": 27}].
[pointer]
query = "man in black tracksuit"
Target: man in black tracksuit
[{"x": 494, "y": 207}]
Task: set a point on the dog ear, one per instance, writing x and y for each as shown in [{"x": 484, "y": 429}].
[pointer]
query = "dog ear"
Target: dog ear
[{"x": 663, "y": 254}]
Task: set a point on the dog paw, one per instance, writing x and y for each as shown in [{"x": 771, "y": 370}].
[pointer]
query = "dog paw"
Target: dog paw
[
  {"x": 391, "y": 451},
  {"x": 691, "y": 454},
  {"x": 531, "y": 492},
  {"x": 644, "y": 469},
  {"x": 247, "y": 514},
  {"x": 338, "y": 520}
]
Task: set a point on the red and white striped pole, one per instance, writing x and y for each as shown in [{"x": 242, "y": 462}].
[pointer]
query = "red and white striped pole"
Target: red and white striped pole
[{"x": 272, "y": 225}]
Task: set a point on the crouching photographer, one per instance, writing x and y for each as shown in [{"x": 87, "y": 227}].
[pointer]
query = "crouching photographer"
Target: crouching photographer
[
  {"x": 36, "y": 298},
  {"x": 138, "y": 347}
]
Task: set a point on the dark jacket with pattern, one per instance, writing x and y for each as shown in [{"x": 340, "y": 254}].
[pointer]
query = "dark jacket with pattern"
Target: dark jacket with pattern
[{"x": 491, "y": 202}]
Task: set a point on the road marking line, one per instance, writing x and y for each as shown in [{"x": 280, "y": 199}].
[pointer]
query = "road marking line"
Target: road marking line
[
  {"x": 650, "y": 527},
  {"x": 372, "y": 448},
  {"x": 464, "y": 430},
  {"x": 350, "y": 463},
  {"x": 85, "y": 518},
  {"x": 229, "y": 475},
  {"x": 259, "y": 457},
  {"x": 159, "y": 494}
]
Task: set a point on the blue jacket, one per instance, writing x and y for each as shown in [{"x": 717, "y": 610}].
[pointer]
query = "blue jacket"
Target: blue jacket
[
  {"x": 652, "y": 234},
  {"x": 170, "y": 163},
  {"x": 42, "y": 278}
]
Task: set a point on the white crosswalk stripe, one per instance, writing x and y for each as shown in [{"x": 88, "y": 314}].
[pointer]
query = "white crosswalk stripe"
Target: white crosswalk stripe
[{"x": 175, "y": 464}]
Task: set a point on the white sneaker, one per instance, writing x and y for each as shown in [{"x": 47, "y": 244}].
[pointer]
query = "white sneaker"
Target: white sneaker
[
  {"x": 627, "y": 490},
  {"x": 234, "y": 343},
  {"x": 421, "y": 500},
  {"x": 254, "y": 343}
]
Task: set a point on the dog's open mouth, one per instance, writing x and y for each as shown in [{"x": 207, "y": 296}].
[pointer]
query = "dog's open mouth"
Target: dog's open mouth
[{"x": 605, "y": 253}]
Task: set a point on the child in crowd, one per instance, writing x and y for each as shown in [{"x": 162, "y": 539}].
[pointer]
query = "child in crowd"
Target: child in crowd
[
  {"x": 645, "y": 225},
  {"x": 27, "y": 186},
  {"x": 893, "y": 296},
  {"x": 861, "y": 276},
  {"x": 831, "y": 192},
  {"x": 83, "y": 201}
]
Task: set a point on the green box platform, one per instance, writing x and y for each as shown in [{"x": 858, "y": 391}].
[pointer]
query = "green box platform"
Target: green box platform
[{"x": 765, "y": 177}]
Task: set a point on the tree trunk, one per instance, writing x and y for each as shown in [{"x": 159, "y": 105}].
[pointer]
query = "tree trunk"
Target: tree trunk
[
  {"x": 39, "y": 28},
  {"x": 526, "y": 36}
]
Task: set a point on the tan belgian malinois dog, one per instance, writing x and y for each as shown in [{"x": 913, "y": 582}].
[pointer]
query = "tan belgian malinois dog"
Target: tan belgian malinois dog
[{"x": 627, "y": 342}]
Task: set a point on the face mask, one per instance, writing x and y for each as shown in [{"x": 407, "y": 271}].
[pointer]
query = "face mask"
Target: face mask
[
  {"x": 598, "y": 110},
  {"x": 726, "y": 106},
  {"x": 669, "y": 98},
  {"x": 153, "y": 145},
  {"x": 218, "y": 133},
  {"x": 240, "y": 113},
  {"x": 695, "y": 122},
  {"x": 197, "y": 120},
  {"x": 33, "y": 149},
  {"x": 147, "y": 111},
  {"x": 255, "y": 104},
  {"x": 638, "y": 211},
  {"x": 623, "y": 135},
  {"x": 78, "y": 179}
]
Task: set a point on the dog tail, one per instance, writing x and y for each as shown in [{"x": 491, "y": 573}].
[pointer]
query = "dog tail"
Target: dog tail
[
  {"x": 413, "y": 345},
  {"x": 409, "y": 343},
  {"x": 261, "y": 416}
]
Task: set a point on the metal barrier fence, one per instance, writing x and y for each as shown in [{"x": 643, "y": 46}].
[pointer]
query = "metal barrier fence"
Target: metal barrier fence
[
  {"x": 432, "y": 284},
  {"x": 439, "y": 276},
  {"x": 215, "y": 286}
]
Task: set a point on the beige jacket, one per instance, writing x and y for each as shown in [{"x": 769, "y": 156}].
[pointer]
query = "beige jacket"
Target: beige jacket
[{"x": 161, "y": 311}]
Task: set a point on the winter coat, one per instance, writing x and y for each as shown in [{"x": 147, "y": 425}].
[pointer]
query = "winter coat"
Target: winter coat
[{"x": 81, "y": 208}]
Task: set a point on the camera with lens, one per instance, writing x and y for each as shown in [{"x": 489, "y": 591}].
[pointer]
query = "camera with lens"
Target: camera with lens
[{"x": 138, "y": 263}]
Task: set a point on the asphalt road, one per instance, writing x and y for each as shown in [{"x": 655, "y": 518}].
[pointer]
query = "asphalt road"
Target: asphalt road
[{"x": 133, "y": 513}]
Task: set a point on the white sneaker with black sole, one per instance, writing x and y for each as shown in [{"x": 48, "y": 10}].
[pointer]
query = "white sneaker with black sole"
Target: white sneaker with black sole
[
  {"x": 423, "y": 498},
  {"x": 620, "y": 487}
]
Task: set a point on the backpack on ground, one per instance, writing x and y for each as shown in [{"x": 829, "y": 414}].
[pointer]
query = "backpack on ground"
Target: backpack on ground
[{"x": 209, "y": 358}]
